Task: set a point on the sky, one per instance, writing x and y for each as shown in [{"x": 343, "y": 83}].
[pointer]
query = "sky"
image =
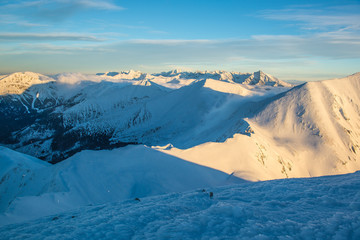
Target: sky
[{"x": 292, "y": 40}]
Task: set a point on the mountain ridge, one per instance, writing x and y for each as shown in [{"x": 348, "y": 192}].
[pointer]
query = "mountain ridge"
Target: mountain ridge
[
  {"x": 129, "y": 139},
  {"x": 276, "y": 124},
  {"x": 82, "y": 108}
]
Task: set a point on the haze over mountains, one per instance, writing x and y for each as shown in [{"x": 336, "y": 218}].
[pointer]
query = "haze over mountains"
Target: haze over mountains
[{"x": 208, "y": 128}]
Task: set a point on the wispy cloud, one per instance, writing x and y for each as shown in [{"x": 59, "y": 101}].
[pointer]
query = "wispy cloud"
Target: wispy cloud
[
  {"x": 171, "y": 41},
  {"x": 47, "y": 37},
  {"x": 57, "y": 10},
  {"x": 48, "y": 48},
  {"x": 331, "y": 32},
  {"x": 319, "y": 19},
  {"x": 13, "y": 19},
  {"x": 98, "y": 4},
  {"x": 287, "y": 55}
]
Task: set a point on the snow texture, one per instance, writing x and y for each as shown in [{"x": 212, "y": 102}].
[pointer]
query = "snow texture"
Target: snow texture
[{"x": 313, "y": 208}]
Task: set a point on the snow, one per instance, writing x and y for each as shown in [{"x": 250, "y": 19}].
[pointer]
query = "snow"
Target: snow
[
  {"x": 314, "y": 208},
  {"x": 202, "y": 130},
  {"x": 311, "y": 130},
  {"x": 24, "y": 105},
  {"x": 11, "y": 159},
  {"x": 17, "y": 83},
  {"x": 259, "y": 132},
  {"x": 96, "y": 177},
  {"x": 256, "y": 78},
  {"x": 16, "y": 169},
  {"x": 33, "y": 102}
]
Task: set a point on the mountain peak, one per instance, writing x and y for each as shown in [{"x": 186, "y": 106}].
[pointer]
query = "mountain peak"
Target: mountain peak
[
  {"x": 261, "y": 78},
  {"x": 256, "y": 78},
  {"x": 18, "y": 82}
]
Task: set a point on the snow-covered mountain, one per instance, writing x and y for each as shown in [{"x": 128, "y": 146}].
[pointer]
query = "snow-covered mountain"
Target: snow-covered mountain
[
  {"x": 256, "y": 78},
  {"x": 17, "y": 83},
  {"x": 310, "y": 130},
  {"x": 53, "y": 118},
  {"x": 248, "y": 128},
  {"x": 168, "y": 132}
]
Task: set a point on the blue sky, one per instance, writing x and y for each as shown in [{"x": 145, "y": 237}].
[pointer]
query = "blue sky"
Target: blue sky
[{"x": 302, "y": 40}]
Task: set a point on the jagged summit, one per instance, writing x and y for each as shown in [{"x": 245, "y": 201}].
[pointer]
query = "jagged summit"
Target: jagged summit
[
  {"x": 261, "y": 78},
  {"x": 256, "y": 78}
]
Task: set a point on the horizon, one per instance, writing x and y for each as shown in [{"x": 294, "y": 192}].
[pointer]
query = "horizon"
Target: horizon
[{"x": 303, "y": 41}]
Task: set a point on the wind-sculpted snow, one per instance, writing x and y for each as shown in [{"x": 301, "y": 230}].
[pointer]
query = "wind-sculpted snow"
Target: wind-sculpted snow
[{"x": 318, "y": 208}]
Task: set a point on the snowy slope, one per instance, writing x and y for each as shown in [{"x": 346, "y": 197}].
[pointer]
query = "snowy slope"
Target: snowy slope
[
  {"x": 94, "y": 177},
  {"x": 320, "y": 120},
  {"x": 317, "y": 208},
  {"x": 311, "y": 130},
  {"x": 194, "y": 114},
  {"x": 16, "y": 171}
]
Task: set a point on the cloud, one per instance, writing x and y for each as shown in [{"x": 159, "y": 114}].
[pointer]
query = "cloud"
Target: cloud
[
  {"x": 285, "y": 56},
  {"x": 50, "y": 48},
  {"x": 330, "y": 32},
  {"x": 171, "y": 41},
  {"x": 106, "y": 5},
  {"x": 258, "y": 46},
  {"x": 261, "y": 47},
  {"x": 320, "y": 19},
  {"x": 57, "y": 10},
  {"x": 13, "y": 19},
  {"x": 97, "y": 4},
  {"x": 47, "y": 37}
]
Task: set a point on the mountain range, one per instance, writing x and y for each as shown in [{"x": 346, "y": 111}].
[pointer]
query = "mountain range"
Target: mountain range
[
  {"x": 54, "y": 117},
  {"x": 123, "y": 135}
]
